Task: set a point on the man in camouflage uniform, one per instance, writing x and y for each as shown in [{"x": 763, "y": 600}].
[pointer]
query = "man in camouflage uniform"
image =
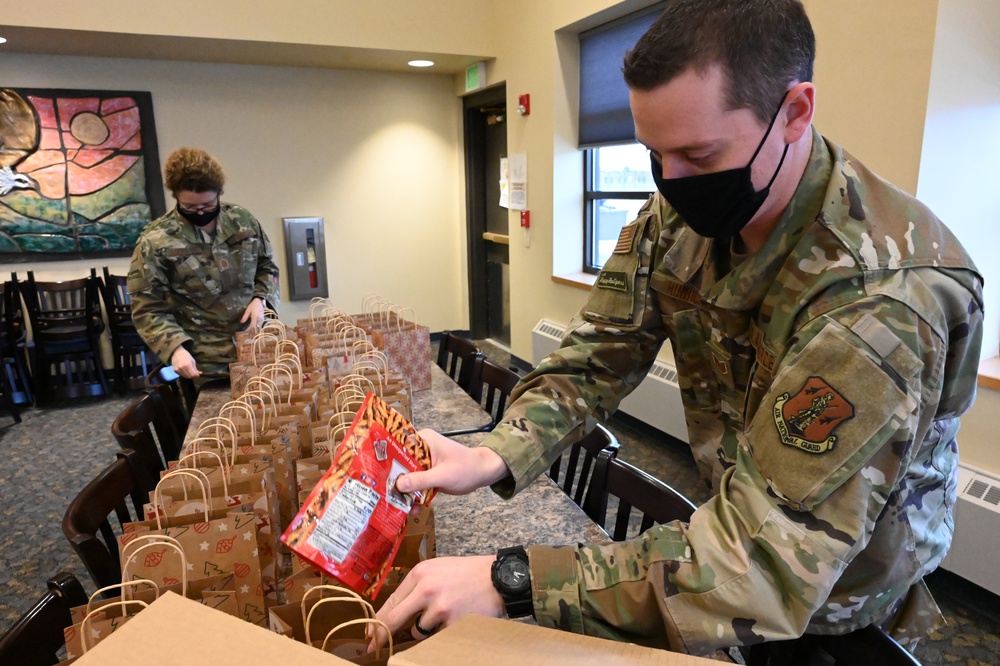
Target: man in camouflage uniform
[
  {"x": 201, "y": 272},
  {"x": 826, "y": 329}
]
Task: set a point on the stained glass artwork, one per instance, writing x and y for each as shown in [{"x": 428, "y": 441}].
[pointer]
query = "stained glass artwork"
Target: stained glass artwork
[{"x": 79, "y": 173}]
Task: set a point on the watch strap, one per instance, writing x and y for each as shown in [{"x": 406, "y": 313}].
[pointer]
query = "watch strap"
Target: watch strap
[{"x": 516, "y": 605}]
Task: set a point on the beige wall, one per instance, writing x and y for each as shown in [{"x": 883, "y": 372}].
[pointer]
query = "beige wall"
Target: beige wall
[
  {"x": 959, "y": 172},
  {"x": 377, "y": 155}
]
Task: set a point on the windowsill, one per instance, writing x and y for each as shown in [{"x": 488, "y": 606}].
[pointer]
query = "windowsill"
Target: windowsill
[
  {"x": 583, "y": 281},
  {"x": 989, "y": 373}
]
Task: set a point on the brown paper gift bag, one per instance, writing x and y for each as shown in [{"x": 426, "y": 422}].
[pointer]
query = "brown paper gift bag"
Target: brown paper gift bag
[
  {"x": 408, "y": 347},
  {"x": 212, "y": 547}
]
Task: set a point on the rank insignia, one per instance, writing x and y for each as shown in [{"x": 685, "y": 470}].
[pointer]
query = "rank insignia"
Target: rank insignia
[{"x": 808, "y": 419}]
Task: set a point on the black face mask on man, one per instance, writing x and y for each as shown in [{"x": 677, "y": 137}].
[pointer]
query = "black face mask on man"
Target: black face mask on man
[
  {"x": 200, "y": 218},
  {"x": 719, "y": 204}
]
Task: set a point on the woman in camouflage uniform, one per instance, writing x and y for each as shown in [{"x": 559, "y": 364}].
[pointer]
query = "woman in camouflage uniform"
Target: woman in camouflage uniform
[{"x": 201, "y": 272}]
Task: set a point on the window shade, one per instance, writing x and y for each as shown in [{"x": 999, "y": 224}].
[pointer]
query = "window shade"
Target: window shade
[{"x": 605, "y": 117}]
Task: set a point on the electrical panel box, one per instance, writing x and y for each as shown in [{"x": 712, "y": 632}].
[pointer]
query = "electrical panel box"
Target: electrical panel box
[{"x": 305, "y": 258}]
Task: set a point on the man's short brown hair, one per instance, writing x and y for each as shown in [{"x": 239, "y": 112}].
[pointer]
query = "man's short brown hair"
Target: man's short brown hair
[
  {"x": 193, "y": 170},
  {"x": 762, "y": 46}
]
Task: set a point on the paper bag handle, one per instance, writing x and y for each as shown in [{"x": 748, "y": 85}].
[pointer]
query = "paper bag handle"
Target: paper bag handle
[
  {"x": 376, "y": 625},
  {"x": 193, "y": 473},
  {"x": 236, "y": 404},
  {"x": 135, "y": 582},
  {"x": 83, "y": 625},
  {"x": 167, "y": 541},
  {"x": 226, "y": 471}
]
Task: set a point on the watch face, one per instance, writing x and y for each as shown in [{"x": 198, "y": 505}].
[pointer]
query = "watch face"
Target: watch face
[{"x": 513, "y": 573}]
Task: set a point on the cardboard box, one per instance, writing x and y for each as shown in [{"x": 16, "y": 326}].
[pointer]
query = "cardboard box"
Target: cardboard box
[
  {"x": 174, "y": 631},
  {"x": 476, "y": 638}
]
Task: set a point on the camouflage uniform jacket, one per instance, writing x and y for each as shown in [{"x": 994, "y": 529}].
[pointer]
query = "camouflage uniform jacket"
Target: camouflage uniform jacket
[
  {"x": 186, "y": 291},
  {"x": 822, "y": 379}
]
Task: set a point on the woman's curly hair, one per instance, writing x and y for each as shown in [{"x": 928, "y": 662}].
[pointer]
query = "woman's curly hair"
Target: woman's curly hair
[{"x": 194, "y": 170}]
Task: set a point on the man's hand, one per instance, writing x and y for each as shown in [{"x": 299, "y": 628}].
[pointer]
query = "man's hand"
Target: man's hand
[
  {"x": 456, "y": 469},
  {"x": 440, "y": 591},
  {"x": 184, "y": 364},
  {"x": 254, "y": 313}
]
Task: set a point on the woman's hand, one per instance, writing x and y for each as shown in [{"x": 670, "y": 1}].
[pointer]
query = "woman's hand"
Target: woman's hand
[
  {"x": 183, "y": 363},
  {"x": 254, "y": 313},
  {"x": 456, "y": 469},
  {"x": 440, "y": 591}
]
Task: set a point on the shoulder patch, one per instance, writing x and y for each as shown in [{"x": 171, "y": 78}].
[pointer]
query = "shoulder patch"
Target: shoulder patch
[
  {"x": 808, "y": 419},
  {"x": 830, "y": 407}
]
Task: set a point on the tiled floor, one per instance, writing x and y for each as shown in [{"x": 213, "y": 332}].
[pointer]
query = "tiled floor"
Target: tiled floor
[{"x": 972, "y": 636}]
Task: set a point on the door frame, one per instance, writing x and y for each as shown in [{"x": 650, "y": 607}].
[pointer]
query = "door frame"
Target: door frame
[{"x": 475, "y": 201}]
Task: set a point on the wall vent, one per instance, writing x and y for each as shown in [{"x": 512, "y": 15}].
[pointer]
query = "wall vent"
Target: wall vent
[{"x": 977, "y": 529}]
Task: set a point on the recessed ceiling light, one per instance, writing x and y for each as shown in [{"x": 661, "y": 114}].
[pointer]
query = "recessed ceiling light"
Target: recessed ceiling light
[
  {"x": 3, "y": 40},
  {"x": 421, "y": 63}
]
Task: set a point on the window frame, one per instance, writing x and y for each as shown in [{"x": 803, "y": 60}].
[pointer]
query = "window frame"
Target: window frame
[{"x": 591, "y": 196}]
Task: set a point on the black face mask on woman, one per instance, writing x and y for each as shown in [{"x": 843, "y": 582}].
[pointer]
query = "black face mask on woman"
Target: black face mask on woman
[
  {"x": 200, "y": 218},
  {"x": 719, "y": 204}
]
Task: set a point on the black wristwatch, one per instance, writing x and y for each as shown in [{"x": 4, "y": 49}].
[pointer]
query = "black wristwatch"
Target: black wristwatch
[{"x": 512, "y": 578}]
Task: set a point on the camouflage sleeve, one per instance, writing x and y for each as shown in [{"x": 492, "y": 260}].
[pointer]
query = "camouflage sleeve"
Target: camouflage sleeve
[
  {"x": 266, "y": 278},
  {"x": 148, "y": 289},
  {"x": 606, "y": 352},
  {"x": 805, "y": 497}
]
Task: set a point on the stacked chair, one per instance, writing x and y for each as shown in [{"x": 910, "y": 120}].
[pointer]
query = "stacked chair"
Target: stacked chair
[
  {"x": 15, "y": 382},
  {"x": 66, "y": 326},
  {"x": 133, "y": 360}
]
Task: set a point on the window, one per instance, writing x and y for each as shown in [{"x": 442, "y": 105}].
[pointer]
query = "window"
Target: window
[
  {"x": 618, "y": 182},
  {"x": 616, "y": 168}
]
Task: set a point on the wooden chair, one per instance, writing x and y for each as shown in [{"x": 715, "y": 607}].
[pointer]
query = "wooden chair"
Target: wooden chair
[
  {"x": 36, "y": 638},
  {"x": 494, "y": 386},
  {"x": 579, "y": 461},
  {"x": 177, "y": 397},
  {"x": 460, "y": 358},
  {"x": 133, "y": 359},
  {"x": 91, "y": 520},
  {"x": 869, "y": 646},
  {"x": 66, "y": 326},
  {"x": 145, "y": 427},
  {"x": 655, "y": 501}
]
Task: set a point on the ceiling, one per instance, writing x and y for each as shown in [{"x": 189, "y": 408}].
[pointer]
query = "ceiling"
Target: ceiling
[{"x": 49, "y": 41}]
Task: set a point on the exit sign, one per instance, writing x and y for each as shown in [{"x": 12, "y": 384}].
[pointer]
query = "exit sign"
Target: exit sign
[{"x": 475, "y": 77}]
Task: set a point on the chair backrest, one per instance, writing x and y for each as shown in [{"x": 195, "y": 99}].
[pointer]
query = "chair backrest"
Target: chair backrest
[
  {"x": 178, "y": 394},
  {"x": 655, "y": 501},
  {"x": 117, "y": 304},
  {"x": 63, "y": 310},
  {"x": 579, "y": 460},
  {"x": 93, "y": 520},
  {"x": 145, "y": 427},
  {"x": 37, "y": 636},
  {"x": 494, "y": 388},
  {"x": 460, "y": 358},
  {"x": 12, "y": 329},
  {"x": 869, "y": 646}
]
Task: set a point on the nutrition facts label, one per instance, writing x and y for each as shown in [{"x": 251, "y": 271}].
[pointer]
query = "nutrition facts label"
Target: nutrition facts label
[{"x": 344, "y": 519}]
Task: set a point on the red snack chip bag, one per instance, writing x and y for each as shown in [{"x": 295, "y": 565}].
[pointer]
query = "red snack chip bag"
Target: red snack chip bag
[{"x": 352, "y": 523}]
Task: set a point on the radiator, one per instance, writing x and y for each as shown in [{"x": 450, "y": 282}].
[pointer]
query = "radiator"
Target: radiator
[
  {"x": 656, "y": 401},
  {"x": 977, "y": 529}
]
